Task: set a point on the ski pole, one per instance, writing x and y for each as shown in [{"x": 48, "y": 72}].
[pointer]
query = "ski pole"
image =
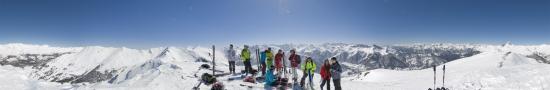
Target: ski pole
[
  {"x": 434, "y": 67},
  {"x": 213, "y": 60},
  {"x": 443, "y": 76}
]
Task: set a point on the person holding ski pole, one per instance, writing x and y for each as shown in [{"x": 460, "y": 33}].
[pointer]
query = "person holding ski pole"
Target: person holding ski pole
[
  {"x": 325, "y": 74},
  {"x": 295, "y": 60},
  {"x": 335, "y": 72},
  {"x": 309, "y": 68},
  {"x": 231, "y": 58},
  {"x": 278, "y": 62},
  {"x": 245, "y": 56}
]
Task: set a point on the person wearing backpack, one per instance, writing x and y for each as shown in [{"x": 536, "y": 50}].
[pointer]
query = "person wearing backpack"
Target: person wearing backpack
[
  {"x": 278, "y": 62},
  {"x": 295, "y": 60}
]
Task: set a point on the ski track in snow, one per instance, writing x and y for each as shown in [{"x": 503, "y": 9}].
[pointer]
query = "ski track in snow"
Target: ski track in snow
[{"x": 496, "y": 68}]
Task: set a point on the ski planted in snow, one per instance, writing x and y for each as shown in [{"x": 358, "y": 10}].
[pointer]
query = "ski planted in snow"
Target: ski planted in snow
[
  {"x": 284, "y": 65},
  {"x": 310, "y": 80},
  {"x": 258, "y": 59},
  {"x": 213, "y": 60},
  {"x": 443, "y": 76},
  {"x": 435, "y": 80},
  {"x": 435, "y": 76},
  {"x": 443, "y": 87}
]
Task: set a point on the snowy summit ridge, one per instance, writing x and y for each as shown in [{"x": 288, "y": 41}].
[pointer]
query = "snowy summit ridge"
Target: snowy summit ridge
[{"x": 43, "y": 66}]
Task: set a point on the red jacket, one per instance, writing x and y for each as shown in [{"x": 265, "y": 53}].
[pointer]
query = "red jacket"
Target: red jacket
[
  {"x": 278, "y": 59},
  {"x": 325, "y": 74},
  {"x": 294, "y": 60}
]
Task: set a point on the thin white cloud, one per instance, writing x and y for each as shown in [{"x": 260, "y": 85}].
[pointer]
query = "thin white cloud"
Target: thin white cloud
[{"x": 283, "y": 7}]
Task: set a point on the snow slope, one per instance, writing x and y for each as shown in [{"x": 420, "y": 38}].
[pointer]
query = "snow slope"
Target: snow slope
[{"x": 497, "y": 67}]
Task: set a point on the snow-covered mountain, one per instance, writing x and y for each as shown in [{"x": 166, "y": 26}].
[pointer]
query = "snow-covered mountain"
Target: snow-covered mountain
[
  {"x": 120, "y": 67},
  {"x": 505, "y": 67},
  {"x": 399, "y": 57},
  {"x": 399, "y": 66}
]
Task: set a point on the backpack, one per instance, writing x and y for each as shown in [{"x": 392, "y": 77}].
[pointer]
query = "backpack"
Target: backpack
[
  {"x": 249, "y": 79},
  {"x": 208, "y": 79},
  {"x": 217, "y": 86}
]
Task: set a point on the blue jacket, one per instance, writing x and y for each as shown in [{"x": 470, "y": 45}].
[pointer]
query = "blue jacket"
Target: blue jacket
[
  {"x": 262, "y": 57},
  {"x": 269, "y": 78}
]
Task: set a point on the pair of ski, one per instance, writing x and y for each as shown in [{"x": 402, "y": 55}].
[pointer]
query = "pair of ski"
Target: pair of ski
[
  {"x": 236, "y": 76},
  {"x": 435, "y": 79}
]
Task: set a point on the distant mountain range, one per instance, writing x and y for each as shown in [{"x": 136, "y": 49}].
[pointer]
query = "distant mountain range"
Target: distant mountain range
[{"x": 125, "y": 66}]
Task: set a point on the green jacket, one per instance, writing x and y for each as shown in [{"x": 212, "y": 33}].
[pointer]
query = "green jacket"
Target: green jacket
[
  {"x": 309, "y": 66},
  {"x": 269, "y": 59},
  {"x": 245, "y": 55}
]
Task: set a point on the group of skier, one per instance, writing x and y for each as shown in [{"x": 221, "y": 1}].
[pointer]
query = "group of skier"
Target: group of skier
[{"x": 269, "y": 64}]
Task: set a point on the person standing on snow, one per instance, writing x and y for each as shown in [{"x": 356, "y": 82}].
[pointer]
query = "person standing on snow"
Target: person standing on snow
[
  {"x": 278, "y": 62},
  {"x": 245, "y": 56},
  {"x": 230, "y": 55},
  {"x": 335, "y": 72},
  {"x": 325, "y": 74},
  {"x": 269, "y": 59},
  {"x": 263, "y": 56},
  {"x": 309, "y": 68},
  {"x": 295, "y": 60}
]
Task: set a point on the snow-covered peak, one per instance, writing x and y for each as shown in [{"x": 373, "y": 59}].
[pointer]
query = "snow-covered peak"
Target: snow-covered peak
[{"x": 508, "y": 43}]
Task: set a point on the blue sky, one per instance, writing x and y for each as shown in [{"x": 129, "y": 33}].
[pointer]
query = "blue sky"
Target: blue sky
[{"x": 153, "y": 23}]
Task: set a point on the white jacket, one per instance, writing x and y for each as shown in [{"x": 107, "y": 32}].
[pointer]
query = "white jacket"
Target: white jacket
[{"x": 230, "y": 55}]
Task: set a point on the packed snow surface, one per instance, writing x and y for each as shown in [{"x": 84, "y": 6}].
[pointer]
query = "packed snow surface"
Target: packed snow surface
[{"x": 496, "y": 67}]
